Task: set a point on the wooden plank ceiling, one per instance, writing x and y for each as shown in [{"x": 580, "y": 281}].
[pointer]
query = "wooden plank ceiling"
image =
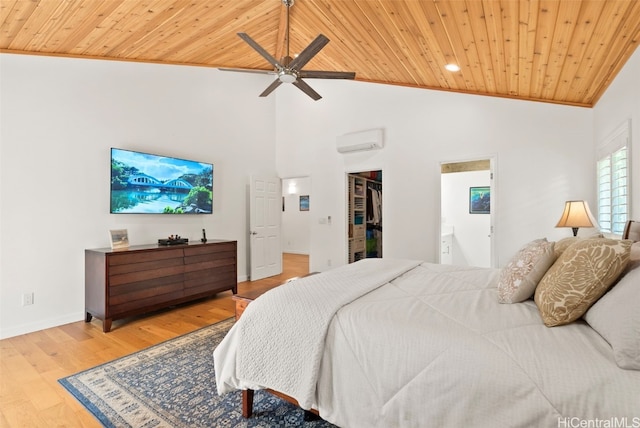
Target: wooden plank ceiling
[{"x": 560, "y": 51}]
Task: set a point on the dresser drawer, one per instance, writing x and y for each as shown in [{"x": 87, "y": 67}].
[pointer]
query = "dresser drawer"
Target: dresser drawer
[
  {"x": 127, "y": 297},
  {"x": 210, "y": 279},
  {"x": 190, "y": 252},
  {"x": 119, "y": 269},
  {"x": 126, "y": 258},
  {"x": 145, "y": 275}
]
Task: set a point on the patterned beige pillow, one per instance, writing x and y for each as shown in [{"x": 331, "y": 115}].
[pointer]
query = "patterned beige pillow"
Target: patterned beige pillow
[
  {"x": 565, "y": 243},
  {"x": 519, "y": 278},
  {"x": 582, "y": 274}
]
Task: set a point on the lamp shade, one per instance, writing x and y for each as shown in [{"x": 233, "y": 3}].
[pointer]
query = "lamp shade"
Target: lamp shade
[{"x": 577, "y": 214}]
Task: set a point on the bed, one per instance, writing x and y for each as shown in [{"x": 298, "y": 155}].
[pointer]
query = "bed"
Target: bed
[{"x": 404, "y": 343}]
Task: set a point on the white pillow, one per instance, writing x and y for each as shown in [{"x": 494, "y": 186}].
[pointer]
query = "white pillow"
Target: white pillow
[
  {"x": 519, "y": 278},
  {"x": 616, "y": 317}
]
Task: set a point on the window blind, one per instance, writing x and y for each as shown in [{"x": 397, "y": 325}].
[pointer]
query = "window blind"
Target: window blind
[{"x": 613, "y": 183}]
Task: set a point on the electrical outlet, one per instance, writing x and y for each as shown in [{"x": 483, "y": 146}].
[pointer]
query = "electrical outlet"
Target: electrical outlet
[
  {"x": 27, "y": 299},
  {"x": 328, "y": 262}
]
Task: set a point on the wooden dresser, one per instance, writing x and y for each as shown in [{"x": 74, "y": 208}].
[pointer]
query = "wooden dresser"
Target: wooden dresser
[{"x": 143, "y": 278}]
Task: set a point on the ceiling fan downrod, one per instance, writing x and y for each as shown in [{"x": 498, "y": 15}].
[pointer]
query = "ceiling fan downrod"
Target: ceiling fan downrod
[{"x": 286, "y": 75}]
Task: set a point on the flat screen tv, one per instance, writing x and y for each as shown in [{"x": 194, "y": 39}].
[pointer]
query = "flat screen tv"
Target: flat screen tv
[{"x": 142, "y": 183}]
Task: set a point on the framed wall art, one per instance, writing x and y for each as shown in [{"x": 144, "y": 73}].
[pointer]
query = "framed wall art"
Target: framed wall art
[
  {"x": 479, "y": 200},
  {"x": 304, "y": 202}
]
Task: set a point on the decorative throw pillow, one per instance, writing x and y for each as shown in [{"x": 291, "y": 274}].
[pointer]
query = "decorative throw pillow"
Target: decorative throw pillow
[
  {"x": 616, "y": 317},
  {"x": 563, "y": 244},
  {"x": 582, "y": 274},
  {"x": 519, "y": 278}
]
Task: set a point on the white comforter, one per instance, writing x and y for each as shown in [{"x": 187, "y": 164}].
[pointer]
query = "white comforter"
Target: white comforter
[
  {"x": 282, "y": 332},
  {"x": 434, "y": 348}
]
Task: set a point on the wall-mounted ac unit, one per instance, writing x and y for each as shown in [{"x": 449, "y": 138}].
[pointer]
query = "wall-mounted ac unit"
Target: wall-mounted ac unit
[{"x": 360, "y": 141}]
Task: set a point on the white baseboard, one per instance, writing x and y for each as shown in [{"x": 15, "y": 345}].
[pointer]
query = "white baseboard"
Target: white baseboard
[{"x": 18, "y": 330}]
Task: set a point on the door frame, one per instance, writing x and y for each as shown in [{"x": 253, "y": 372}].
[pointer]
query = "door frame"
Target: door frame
[
  {"x": 345, "y": 231},
  {"x": 493, "y": 259}
]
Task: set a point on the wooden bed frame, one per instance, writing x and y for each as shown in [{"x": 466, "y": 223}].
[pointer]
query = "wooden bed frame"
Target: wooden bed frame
[
  {"x": 247, "y": 404},
  {"x": 632, "y": 231}
]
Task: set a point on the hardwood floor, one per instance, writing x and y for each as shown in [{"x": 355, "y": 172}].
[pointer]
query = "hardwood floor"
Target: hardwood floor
[{"x": 31, "y": 364}]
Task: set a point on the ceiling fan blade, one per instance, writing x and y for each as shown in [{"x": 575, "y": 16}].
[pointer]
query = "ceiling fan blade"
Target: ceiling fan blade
[
  {"x": 271, "y": 88},
  {"x": 309, "y": 52},
  {"x": 311, "y": 74},
  {"x": 248, "y": 70},
  {"x": 307, "y": 89},
  {"x": 266, "y": 55}
]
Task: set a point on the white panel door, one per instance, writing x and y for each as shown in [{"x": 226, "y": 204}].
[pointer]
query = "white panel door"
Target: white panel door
[{"x": 265, "y": 197}]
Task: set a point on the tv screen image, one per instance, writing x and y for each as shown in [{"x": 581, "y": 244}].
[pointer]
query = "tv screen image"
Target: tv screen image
[{"x": 143, "y": 183}]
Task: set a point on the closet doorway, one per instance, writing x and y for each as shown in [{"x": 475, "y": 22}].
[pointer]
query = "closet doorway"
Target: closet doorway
[
  {"x": 364, "y": 215},
  {"x": 467, "y": 209}
]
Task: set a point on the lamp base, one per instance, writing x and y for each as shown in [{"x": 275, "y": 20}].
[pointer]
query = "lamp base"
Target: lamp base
[{"x": 575, "y": 231}]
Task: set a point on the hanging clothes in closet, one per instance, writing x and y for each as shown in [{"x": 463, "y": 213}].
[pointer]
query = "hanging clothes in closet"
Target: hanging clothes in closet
[{"x": 374, "y": 219}]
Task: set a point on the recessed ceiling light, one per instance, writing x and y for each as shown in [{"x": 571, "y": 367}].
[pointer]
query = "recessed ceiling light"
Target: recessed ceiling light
[{"x": 452, "y": 67}]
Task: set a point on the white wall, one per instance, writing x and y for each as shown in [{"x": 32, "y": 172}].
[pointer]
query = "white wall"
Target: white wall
[
  {"x": 296, "y": 232},
  {"x": 544, "y": 156},
  {"x": 59, "y": 118},
  {"x": 471, "y": 244},
  {"x": 622, "y": 102}
]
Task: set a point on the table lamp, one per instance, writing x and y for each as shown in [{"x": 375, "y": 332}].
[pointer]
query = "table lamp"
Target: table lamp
[{"x": 576, "y": 214}]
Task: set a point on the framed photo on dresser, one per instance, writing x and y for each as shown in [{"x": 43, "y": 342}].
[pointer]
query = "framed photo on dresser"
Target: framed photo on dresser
[{"x": 119, "y": 239}]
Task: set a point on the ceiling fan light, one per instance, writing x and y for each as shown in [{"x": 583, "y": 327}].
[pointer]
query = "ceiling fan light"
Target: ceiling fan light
[{"x": 287, "y": 77}]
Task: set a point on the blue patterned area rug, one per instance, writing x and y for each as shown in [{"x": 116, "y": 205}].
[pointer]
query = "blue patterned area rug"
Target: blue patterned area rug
[{"x": 173, "y": 384}]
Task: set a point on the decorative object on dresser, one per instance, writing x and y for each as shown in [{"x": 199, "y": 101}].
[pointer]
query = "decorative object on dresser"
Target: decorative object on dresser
[
  {"x": 143, "y": 278},
  {"x": 119, "y": 239},
  {"x": 173, "y": 240},
  {"x": 576, "y": 214}
]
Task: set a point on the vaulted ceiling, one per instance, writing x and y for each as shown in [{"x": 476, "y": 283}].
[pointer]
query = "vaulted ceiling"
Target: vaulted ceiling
[{"x": 559, "y": 51}]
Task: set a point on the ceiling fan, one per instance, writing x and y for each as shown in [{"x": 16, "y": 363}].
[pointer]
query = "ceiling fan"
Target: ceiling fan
[{"x": 288, "y": 69}]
